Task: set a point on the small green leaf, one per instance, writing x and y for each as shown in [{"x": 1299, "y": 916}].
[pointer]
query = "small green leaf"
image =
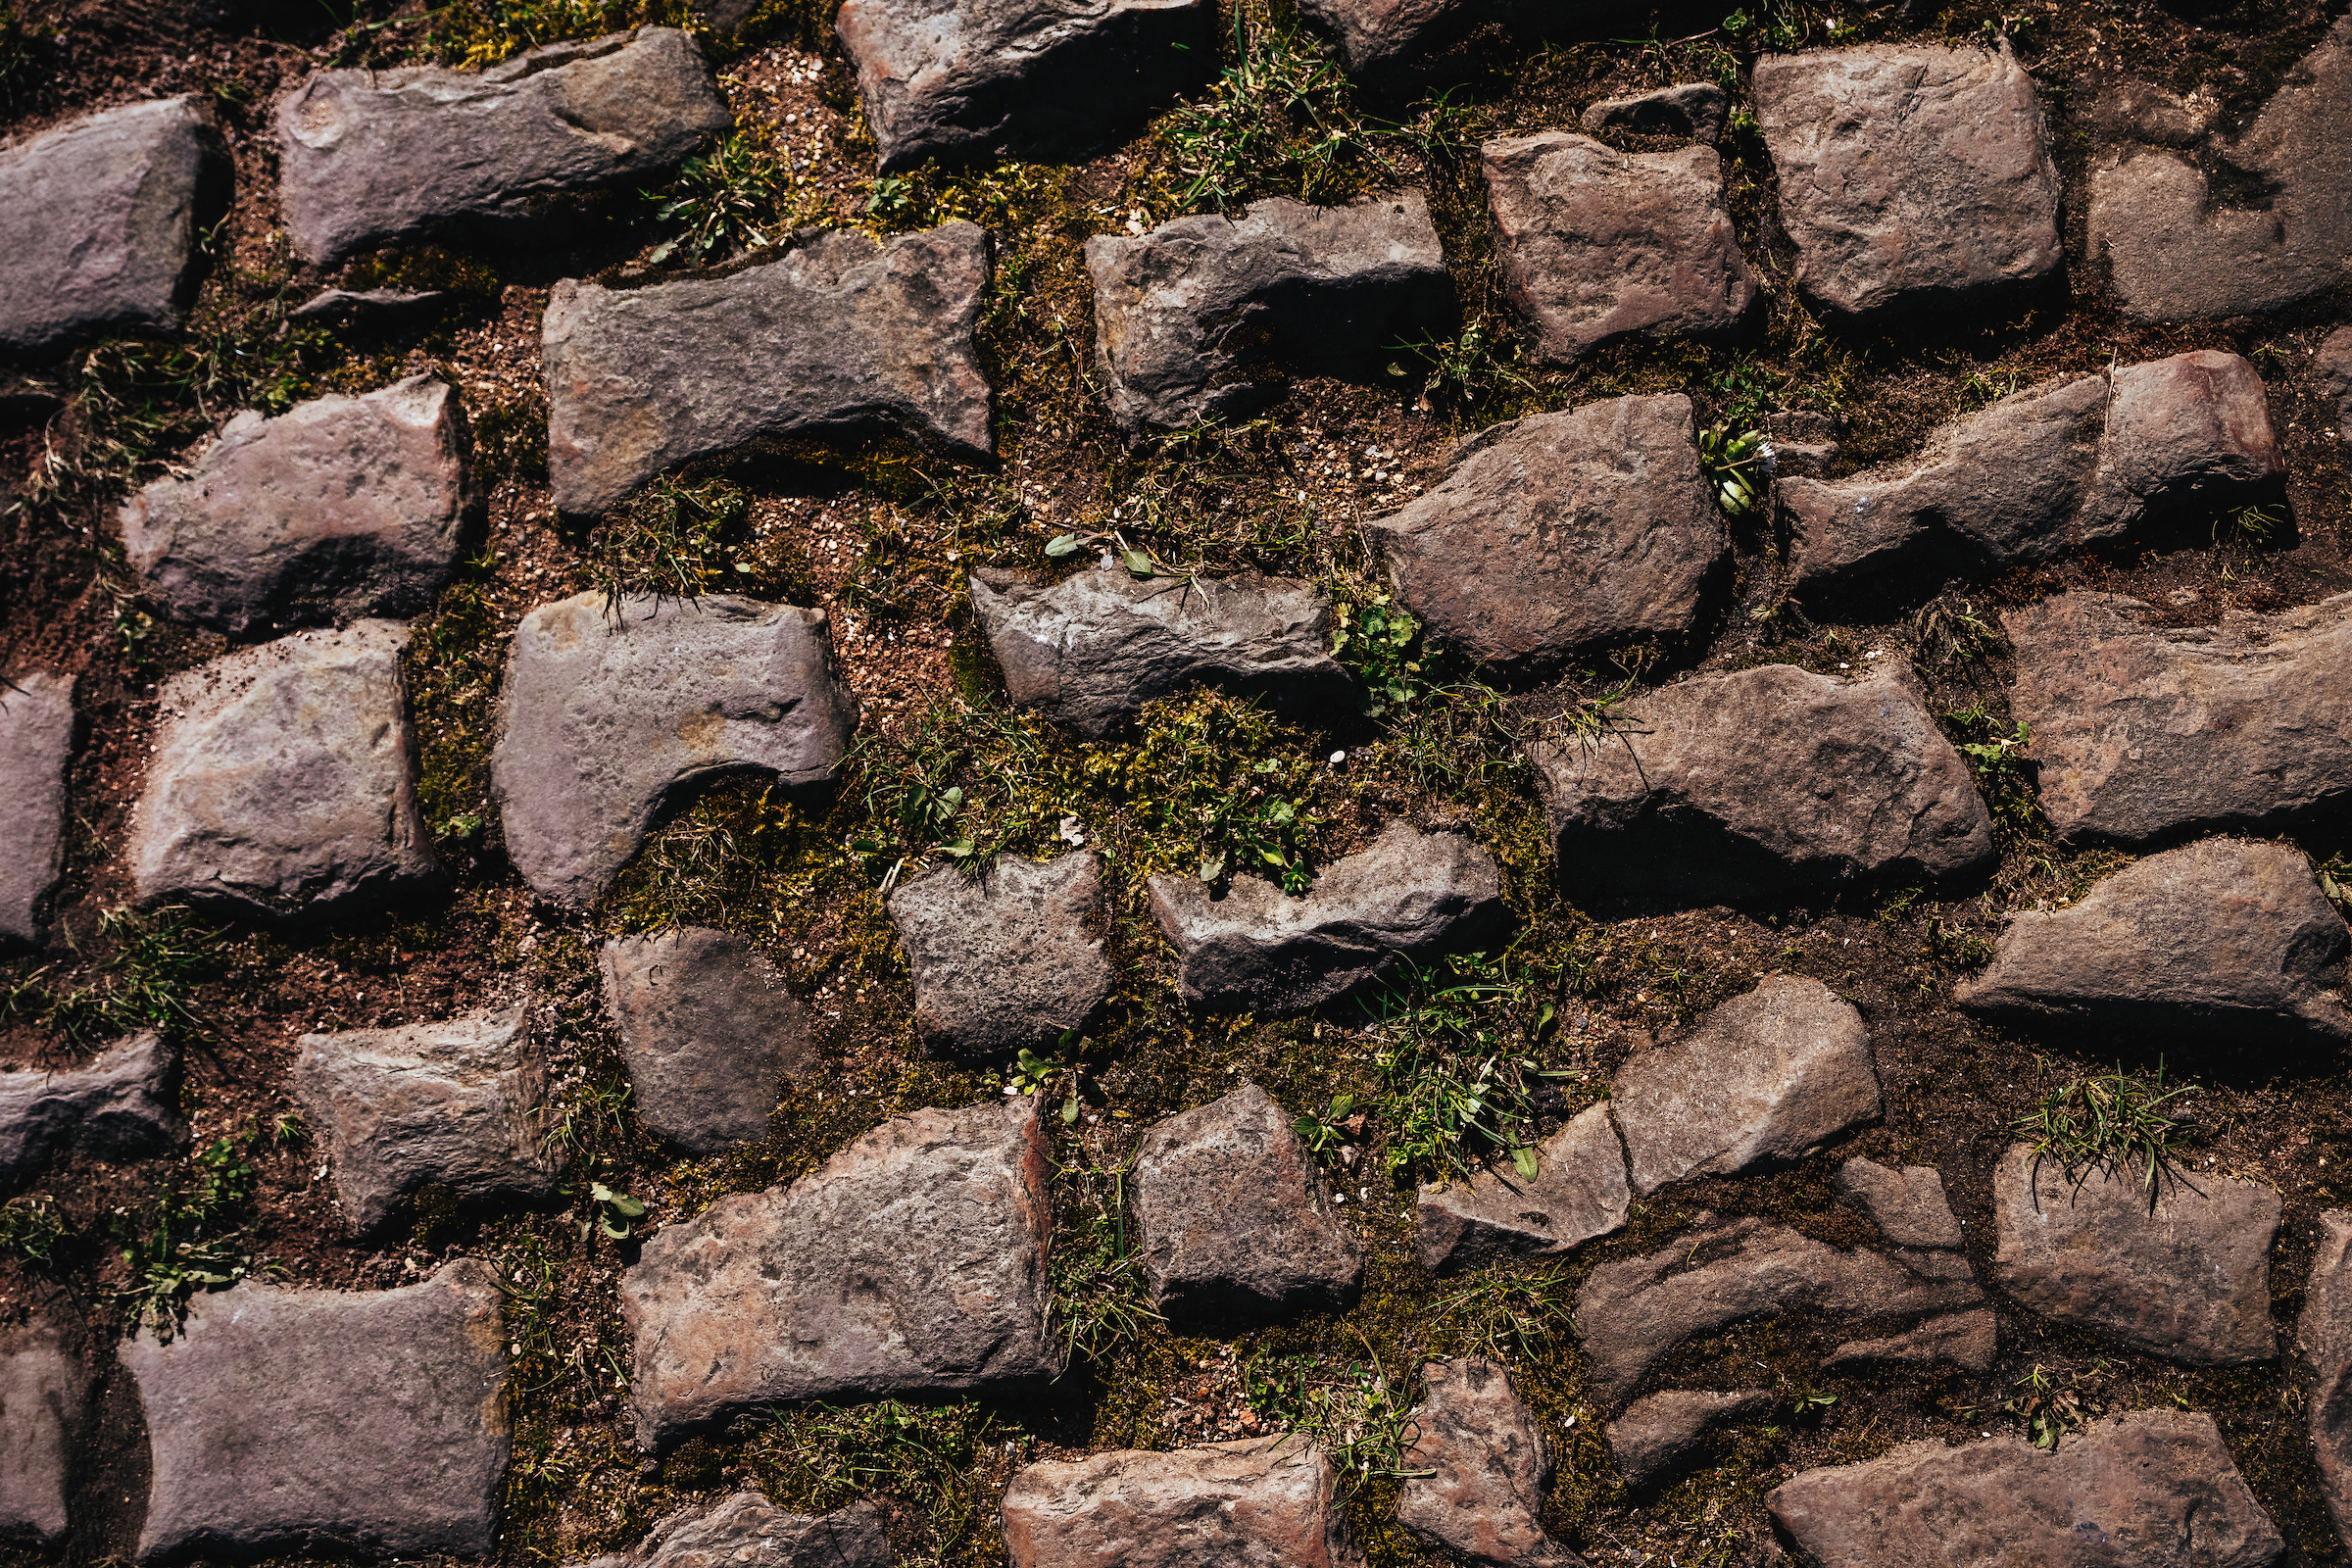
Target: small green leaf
[
  {"x": 1062, "y": 545},
  {"x": 1069, "y": 1110},
  {"x": 628, "y": 1207},
  {"x": 1212, "y": 867},
  {"x": 1138, "y": 563},
  {"x": 1524, "y": 1159}
]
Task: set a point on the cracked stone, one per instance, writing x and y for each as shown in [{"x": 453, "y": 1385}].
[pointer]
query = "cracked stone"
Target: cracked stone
[
  {"x": 747, "y": 1531},
  {"x": 707, "y": 1032},
  {"x": 1579, "y": 1192},
  {"x": 1659, "y": 1438},
  {"x": 36, "y": 745},
  {"x": 118, "y": 1107},
  {"x": 1262, "y": 1500},
  {"x": 1489, "y": 1467}
]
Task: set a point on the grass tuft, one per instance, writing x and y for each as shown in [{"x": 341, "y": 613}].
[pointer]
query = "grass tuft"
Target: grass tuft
[{"x": 2106, "y": 1122}]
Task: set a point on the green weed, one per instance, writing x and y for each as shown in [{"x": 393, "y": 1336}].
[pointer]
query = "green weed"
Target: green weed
[
  {"x": 674, "y": 540},
  {"x": 194, "y": 1240},
  {"x": 1733, "y": 466},
  {"x": 471, "y": 33},
  {"x": 30, "y": 1227},
  {"x": 1348, "y": 1410},
  {"x": 141, "y": 984},
  {"x": 1101, "y": 1299},
  {"x": 1280, "y": 121},
  {"x": 2050, "y": 1404},
  {"x": 2246, "y": 527},
  {"x": 1457, "y": 1063},
  {"x": 1505, "y": 1314},
  {"x": 1377, "y": 640},
  {"x": 730, "y": 199},
  {"x": 1950, "y": 628},
  {"x": 1468, "y": 371},
  {"x": 2106, "y": 1121},
  {"x": 1995, "y": 753},
  {"x": 452, "y": 663},
  {"x": 946, "y": 1463}
]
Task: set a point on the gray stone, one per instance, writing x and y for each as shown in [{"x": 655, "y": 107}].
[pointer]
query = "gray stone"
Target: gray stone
[
  {"x": 1766, "y": 1079},
  {"x": 2144, "y": 730},
  {"x": 328, "y": 1422},
  {"x": 2154, "y": 1488},
  {"x": 2181, "y": 1269},
  {"x": 2333, "y": 365},
  {"x": 2324, "y": 1343},
  {"x": 1387, "y": 38},
  {"x": 747, "y": 1531},
  {"x": 99, "y": 232},
  {"x": 1554, "y": 537},
  {"x": 1909, "y": 173},
  {"x": 366, "y": 306},
  {"x": 610, "y": 716},
  {"x": 1092, "y": 649},
  {"x": 707, "y": 1033},
  {"x": 2222, "y": 934},
  {"x": 368, "y": 156},
  {"x": 36, "y": 745},
  {"x": 1909, "y": 1206},
  {"x": 1194, "y": 319},
  {"x": 1264, "y": 1502},
  {"x": 913, "y": 1260},
  {"x": 1476, "y": 1469},
  {"x": 283, "y": 781},
  {"x": 1694, "y": 109},
  {"x": 1764, "y": 780},
  {"x": 42, "y": 1398},
  {"x": 462, "y": 1104},
  {"x": 1658, "y": 1436},
  {"x": 341, "y": 508},
  {"x": 2187, "y": 437},
  {"x": 973, "y": 80},
  {"x": 1235, "y": 1225},
  {"x": 1260, "y": 949},
  {"x": 1596, "y": 245},
  {"x": 1578, "y": 1192},
  {"x": 118, "y": 1107},
  {"x": 1008, "y": 959},
  {"x": 841, "y": 336},
  {"x": 1966, "y": 1339}
]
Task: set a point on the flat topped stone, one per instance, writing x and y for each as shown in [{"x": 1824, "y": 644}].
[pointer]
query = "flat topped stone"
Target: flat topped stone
[
  {"x": 1092, "y": 649},
  {"x": 1007, "y": 960},
  {"x": 913, "y": 1261},
  {"x": 1579, "y": 1192},
  {"x": 2187, "y": 436},
  {"x": 2222, "y": 935},
  {"x": 747, "y": 1531},
  {"x": 2153, "y": 1488},
  {"x": 1476, "y": 1469},
  {"x": 118, "y": 1107},
  {"x": 341, "y": 508},
  {"x": 1694, "y": 109},
  {"x": 2323, "y": 1345},
  {"x": 610, "y": 716},
  {"x": 707, "y": 1032},
  {"x": 1260, "y": 1501},
  {"x": 370, "y": 156},
  {"x": 1909, "y": 173},
  {"x": 1556, "y": 536},
  {"x": 43, "y": 1395},
  {"x": 36, "y": 745},
  {"x": 843, "y": 335},
  {"x": 1909, "y": 1206},
  {"x": 98, "y": 223},
  {"x": 328, "y": 1422},
  {"x": 1192, "y": 318},
  {"x": 1658, "y": 1436},
  {"x": 283, "y": 781}
]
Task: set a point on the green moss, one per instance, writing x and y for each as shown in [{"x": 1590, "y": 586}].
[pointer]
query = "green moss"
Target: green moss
[{"x": 454, "y": 660}]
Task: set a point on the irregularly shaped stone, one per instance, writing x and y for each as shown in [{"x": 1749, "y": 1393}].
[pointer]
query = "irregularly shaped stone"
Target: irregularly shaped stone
[
  {"x": 367, "y": 156},
  {"x": 747, "y": 1531},
  {"x": 100, "y": 220},
  {"x": 2144, "y": 730},
  {"x": 608, "y": 716},
  {"x": 1596, "y": 245},
  {"x": 1476, "y": 1469},
  {"x": 842, "y": 335},
  {"x": 343, "y": 507},
  {"x": 366, "y": 306},
  {"x": 912, "y": 1261},
  {"x": 1968, "y": 1339},
  {"x": 2181, "y": 1269},
  {"x": 1694, "y": 109},
  {"x": 1578, "y": 1192},
  {"x": 1092, "y": 649},
  {"x": 2154, "y": 1488},
  {"x": 709, "y": 1034},
  {"x": 36, "y": 744},
  {"x": 328, "y": 1422},
  {"x": 1010, "y": 958},
  {"x": 1191, "y": 318},
  {"x": 1387, "y": 38},
  {"x": 1657, "y": 1437},
  {"x": 1909, "y": 173},
  {"x": 2332, "y": 363},
  {"x": 2222, "y": 935},
  {"x": 2187, "y": 437},
  {"x": 2323, "y": 1342},
  {"x": 1260, "y": 949},
  {"x": 461, "y": 1104},
  {"x": 1909, "y": 1206},
  {"x": 1772, "y": 779},
  {"x": 1235, "y": 1226},
  {"x": 976, "y": 78},
  {"x": 1261, "y": 1502},
  {"x": 42, "y": 1396},
  {"x": 1765, "y": 1079},
  {"x": 119, "y": 1106},
  {"x": 1554, "y": 536}
]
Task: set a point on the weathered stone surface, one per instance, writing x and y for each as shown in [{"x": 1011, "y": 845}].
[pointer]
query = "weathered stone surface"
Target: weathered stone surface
[
  {"x": 2186, "y": 1275},
  {"x": 707, "y": 1032},
  {"x": 2222, "y": 935},
  {"x": 1189, "y": 317},
  {"x": 2324, "y": 1343},
  {"x": 118, "y": 1106},
  {"x": 1764, "y": 780},
  {"x": 974, "y": 78},
  {"x": 370, "y": 156},
  {"x": 36, "y": 744},
  {"x": 328, "y": 1422},
  {"x": 912, "y": 1261},
  {"x": 42, "y": 1396},
  {"x": 608, "y": 716},
  {"x": 1657, "y": 1436},
  {"x": 341, "y": 508},
  {"x": 1235, "y": 1226},
  {"x": 1263, "y": 1503},
  {"x": 1765, "y": 1079},
  {"x": 98, "y": 223},
  {"x": 2334, "y": 366},
  {"x": 1909, "y": 173},
  {"x": 1380, "y": 39},
  {"x": 2154, "y": 1488},
  {"x": 366, "y": 306},
  {"x": 1956, "y": 1339},
  {"x": 1554, "y": 536},
  {"x": 747, "y": 1531},
  {"x": 1260, "y": 949},
  {"x": 1578, "y": 1192},
  {"x": 462, "y": 1104},
  {"x": 2186, "y": 436},
  {"x": 1092, "y": 649},
  {"x": 1490, "y": 1467},
  {"x": 1909, "y": 1206},
  {"x": 1010, "y": 958},
  {"x": 283, "y": 781},
  {"x": 2144, "y": 730},
  {"x": 1597, "y": 245},
  {"x": 1694, "y": 109},
  {"x": 842, "y": 335}
]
